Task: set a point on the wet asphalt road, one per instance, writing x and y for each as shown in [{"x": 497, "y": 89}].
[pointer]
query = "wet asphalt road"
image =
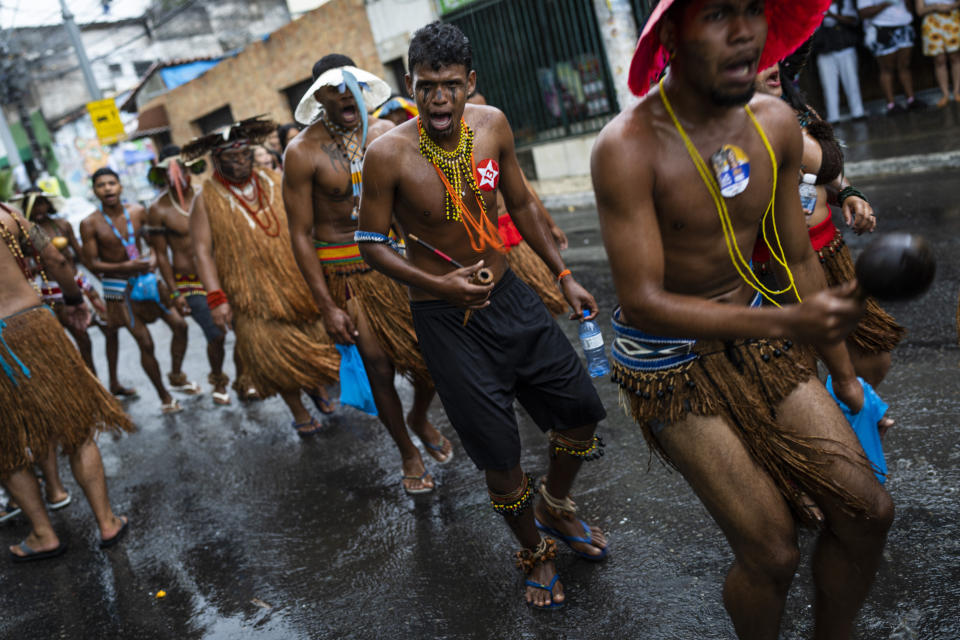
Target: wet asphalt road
[{"x": 253, "y": 533}]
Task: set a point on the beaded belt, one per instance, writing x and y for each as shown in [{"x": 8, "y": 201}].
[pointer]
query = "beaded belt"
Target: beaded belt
[
  {"x": 635, "y": 350},
  {"x": 340, "y": 258},
  {"x": 189, "y": 285},
  {"x": 114, "y": 289}
]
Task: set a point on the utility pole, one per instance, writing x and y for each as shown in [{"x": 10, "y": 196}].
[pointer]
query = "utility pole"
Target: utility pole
[{"x": 84, "y": 62}]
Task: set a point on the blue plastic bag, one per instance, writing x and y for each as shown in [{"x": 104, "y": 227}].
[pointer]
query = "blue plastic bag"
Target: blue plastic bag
[
  {"x": 865, "y": 425},
  {"x": 354, "y": 385}
]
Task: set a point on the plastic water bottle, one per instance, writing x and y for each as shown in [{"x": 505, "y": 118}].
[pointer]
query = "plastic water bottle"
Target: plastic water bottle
[
  {"x": 592, "y": 341},
  {"x": 808, "y": 193}
]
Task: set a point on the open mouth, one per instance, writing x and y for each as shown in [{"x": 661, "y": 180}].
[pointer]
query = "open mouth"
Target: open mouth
[
  {"x": 350, "y": 114},
  {"x": 774, "y": 80},
  {"x": 441, "y": 121},
  {"x": 744, "y": 69}
]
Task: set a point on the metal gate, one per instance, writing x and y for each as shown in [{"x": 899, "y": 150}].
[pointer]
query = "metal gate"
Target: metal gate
[{"x": 542, "y": 62}]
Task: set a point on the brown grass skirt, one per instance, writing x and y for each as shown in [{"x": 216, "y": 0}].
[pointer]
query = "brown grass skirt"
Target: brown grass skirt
[
  {"x": 386, "y": 307},
  {"x": 743, "y": 383},
  {"x": 531, "y": 269},
  {"x": 877, "y": 331},
  {"x": 60, "y": 402},
  {"x": 282, "y": 357}
]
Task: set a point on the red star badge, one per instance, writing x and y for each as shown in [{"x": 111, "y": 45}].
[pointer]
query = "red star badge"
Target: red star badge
[{"x": 488, "y": 174}]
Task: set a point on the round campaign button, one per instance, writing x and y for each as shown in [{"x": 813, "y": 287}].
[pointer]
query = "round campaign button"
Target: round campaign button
[{"x": 732, "y": 168}]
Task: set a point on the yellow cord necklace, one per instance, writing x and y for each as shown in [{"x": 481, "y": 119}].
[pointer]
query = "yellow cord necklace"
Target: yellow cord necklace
[{"x": 742, "y": 265}]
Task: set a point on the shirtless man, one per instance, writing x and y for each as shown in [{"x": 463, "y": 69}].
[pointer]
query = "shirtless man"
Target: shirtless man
[
  {"x": 39, "y": 209},
  {"x": 168, "y": 220},
  {"x": 732, "y": 404},
  {"x": 39, "y": 412},
  {"x": 507, "y": 346},
  {"x": 359, "y": 305},
  {"x": 111, "y": 246}
]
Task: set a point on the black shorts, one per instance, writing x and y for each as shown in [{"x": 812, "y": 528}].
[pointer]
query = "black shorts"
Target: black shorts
[
  {"x": 200, "y": 312},
  {"x": 509, "y": 350}
]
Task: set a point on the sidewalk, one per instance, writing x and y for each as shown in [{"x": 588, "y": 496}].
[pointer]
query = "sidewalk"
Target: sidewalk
[{"x": 882, "y": 145}]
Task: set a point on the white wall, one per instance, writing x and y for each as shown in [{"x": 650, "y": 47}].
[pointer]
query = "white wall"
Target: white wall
[{"x": 394, "y": 21}]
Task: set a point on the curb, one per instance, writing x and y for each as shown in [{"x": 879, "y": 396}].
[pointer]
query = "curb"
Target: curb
[{"x": 900, "y": 165}]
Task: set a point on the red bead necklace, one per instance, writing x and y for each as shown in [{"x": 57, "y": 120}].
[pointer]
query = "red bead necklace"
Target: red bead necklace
[{"x": 261, "y": 204}]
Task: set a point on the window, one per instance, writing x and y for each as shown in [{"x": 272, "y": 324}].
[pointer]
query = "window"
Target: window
[
  {"x": 399, "y": 72},
  {"x": 115, "y": 68},
  {"x": 140, "y": 67},
  {"x": 295, "y": 93},
  {"x": 214, "y": 120}
]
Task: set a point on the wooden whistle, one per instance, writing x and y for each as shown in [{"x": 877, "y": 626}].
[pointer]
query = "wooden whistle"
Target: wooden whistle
[{"x": 482, "y": 276}]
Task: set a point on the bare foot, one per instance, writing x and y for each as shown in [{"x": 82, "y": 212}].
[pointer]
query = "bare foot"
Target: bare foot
[
  {"x": 884, "y": 425},
  {"x": 439, "y": 447},
  {"x": 570, "y": 529},
  {"x": 541, "y": 597}
]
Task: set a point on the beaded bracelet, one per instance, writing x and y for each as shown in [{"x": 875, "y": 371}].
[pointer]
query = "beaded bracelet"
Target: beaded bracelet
[
  {"x": 848, "y": 191},
  {"x": 175, "y": 294},
  {"x": 370, "y": 236},
  {"x": 216, "y": 298},
  {"x": 563, "y": 274}
]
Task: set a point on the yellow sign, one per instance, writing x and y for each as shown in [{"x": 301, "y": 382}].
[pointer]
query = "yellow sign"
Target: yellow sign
[{"x": 106, "y": 120}]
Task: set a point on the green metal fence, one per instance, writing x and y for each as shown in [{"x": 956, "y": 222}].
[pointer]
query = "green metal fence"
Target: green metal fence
[
  {"x": 641, "y": 11},
  {"x": 542, "y": 62}
]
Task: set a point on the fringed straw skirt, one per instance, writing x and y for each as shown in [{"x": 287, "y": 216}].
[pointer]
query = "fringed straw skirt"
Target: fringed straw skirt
[{"x": 47, "y": 394}]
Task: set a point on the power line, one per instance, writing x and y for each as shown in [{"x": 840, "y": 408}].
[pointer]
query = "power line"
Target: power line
[{"x": 147, "y": 32}]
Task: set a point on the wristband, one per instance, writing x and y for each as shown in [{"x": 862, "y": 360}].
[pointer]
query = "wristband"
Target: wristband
[
  {"x": 72, "y": 300},
  {"x": 563, "y": 274},
  {"x": 848, "y": 191},
  {"x": 175, "y": 294},
  {"x": 216, "y": 298}
]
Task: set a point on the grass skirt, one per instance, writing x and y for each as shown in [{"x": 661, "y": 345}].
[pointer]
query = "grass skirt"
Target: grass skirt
[
  {"x": 743, "y": 383},
  {"x": 281, "y": 340},
  {"x": 531, "y": 269},
  {"x": 61, "y": 402},
  {"x": 386, "y": 307}
]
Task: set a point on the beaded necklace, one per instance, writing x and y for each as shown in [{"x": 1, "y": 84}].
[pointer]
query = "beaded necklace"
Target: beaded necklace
[
  {"x": 272, "y": 226},
  {"x": 17, "y": 250},
  {"x": 451, "y": 167},
  {"x": 352, "y": 144}
]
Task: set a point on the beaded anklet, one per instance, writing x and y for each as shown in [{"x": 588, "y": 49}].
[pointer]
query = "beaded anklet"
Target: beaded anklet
[
  {"x": 587, "y": 450},
  {"x": 515, "y": 502},
  {"x": 527, "y": 560}
]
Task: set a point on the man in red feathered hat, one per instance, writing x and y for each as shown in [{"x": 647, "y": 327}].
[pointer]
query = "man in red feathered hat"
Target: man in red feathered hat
[{"x": 723, "y": 387}]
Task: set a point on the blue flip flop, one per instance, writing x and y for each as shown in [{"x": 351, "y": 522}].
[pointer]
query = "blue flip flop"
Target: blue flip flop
[
  {"x": 439, "y": 449},
  {"x": 312, "y": 432},
  {"x": 568, "y": 540},
  {"x": 548, "y": 588}
]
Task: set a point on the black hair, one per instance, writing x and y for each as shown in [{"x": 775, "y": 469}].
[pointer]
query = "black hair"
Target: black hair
[
  {"x": 103, "y": 171},
  {"x": 439, "y": 44},
  {"x": 282, "y": 132},
  {"x": 168, "y": 151},
  {"x": 331, "y": 61}
]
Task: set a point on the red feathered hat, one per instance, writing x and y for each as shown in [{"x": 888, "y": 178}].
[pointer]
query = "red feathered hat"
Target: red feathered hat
[{"x": 790, "y": 22}]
